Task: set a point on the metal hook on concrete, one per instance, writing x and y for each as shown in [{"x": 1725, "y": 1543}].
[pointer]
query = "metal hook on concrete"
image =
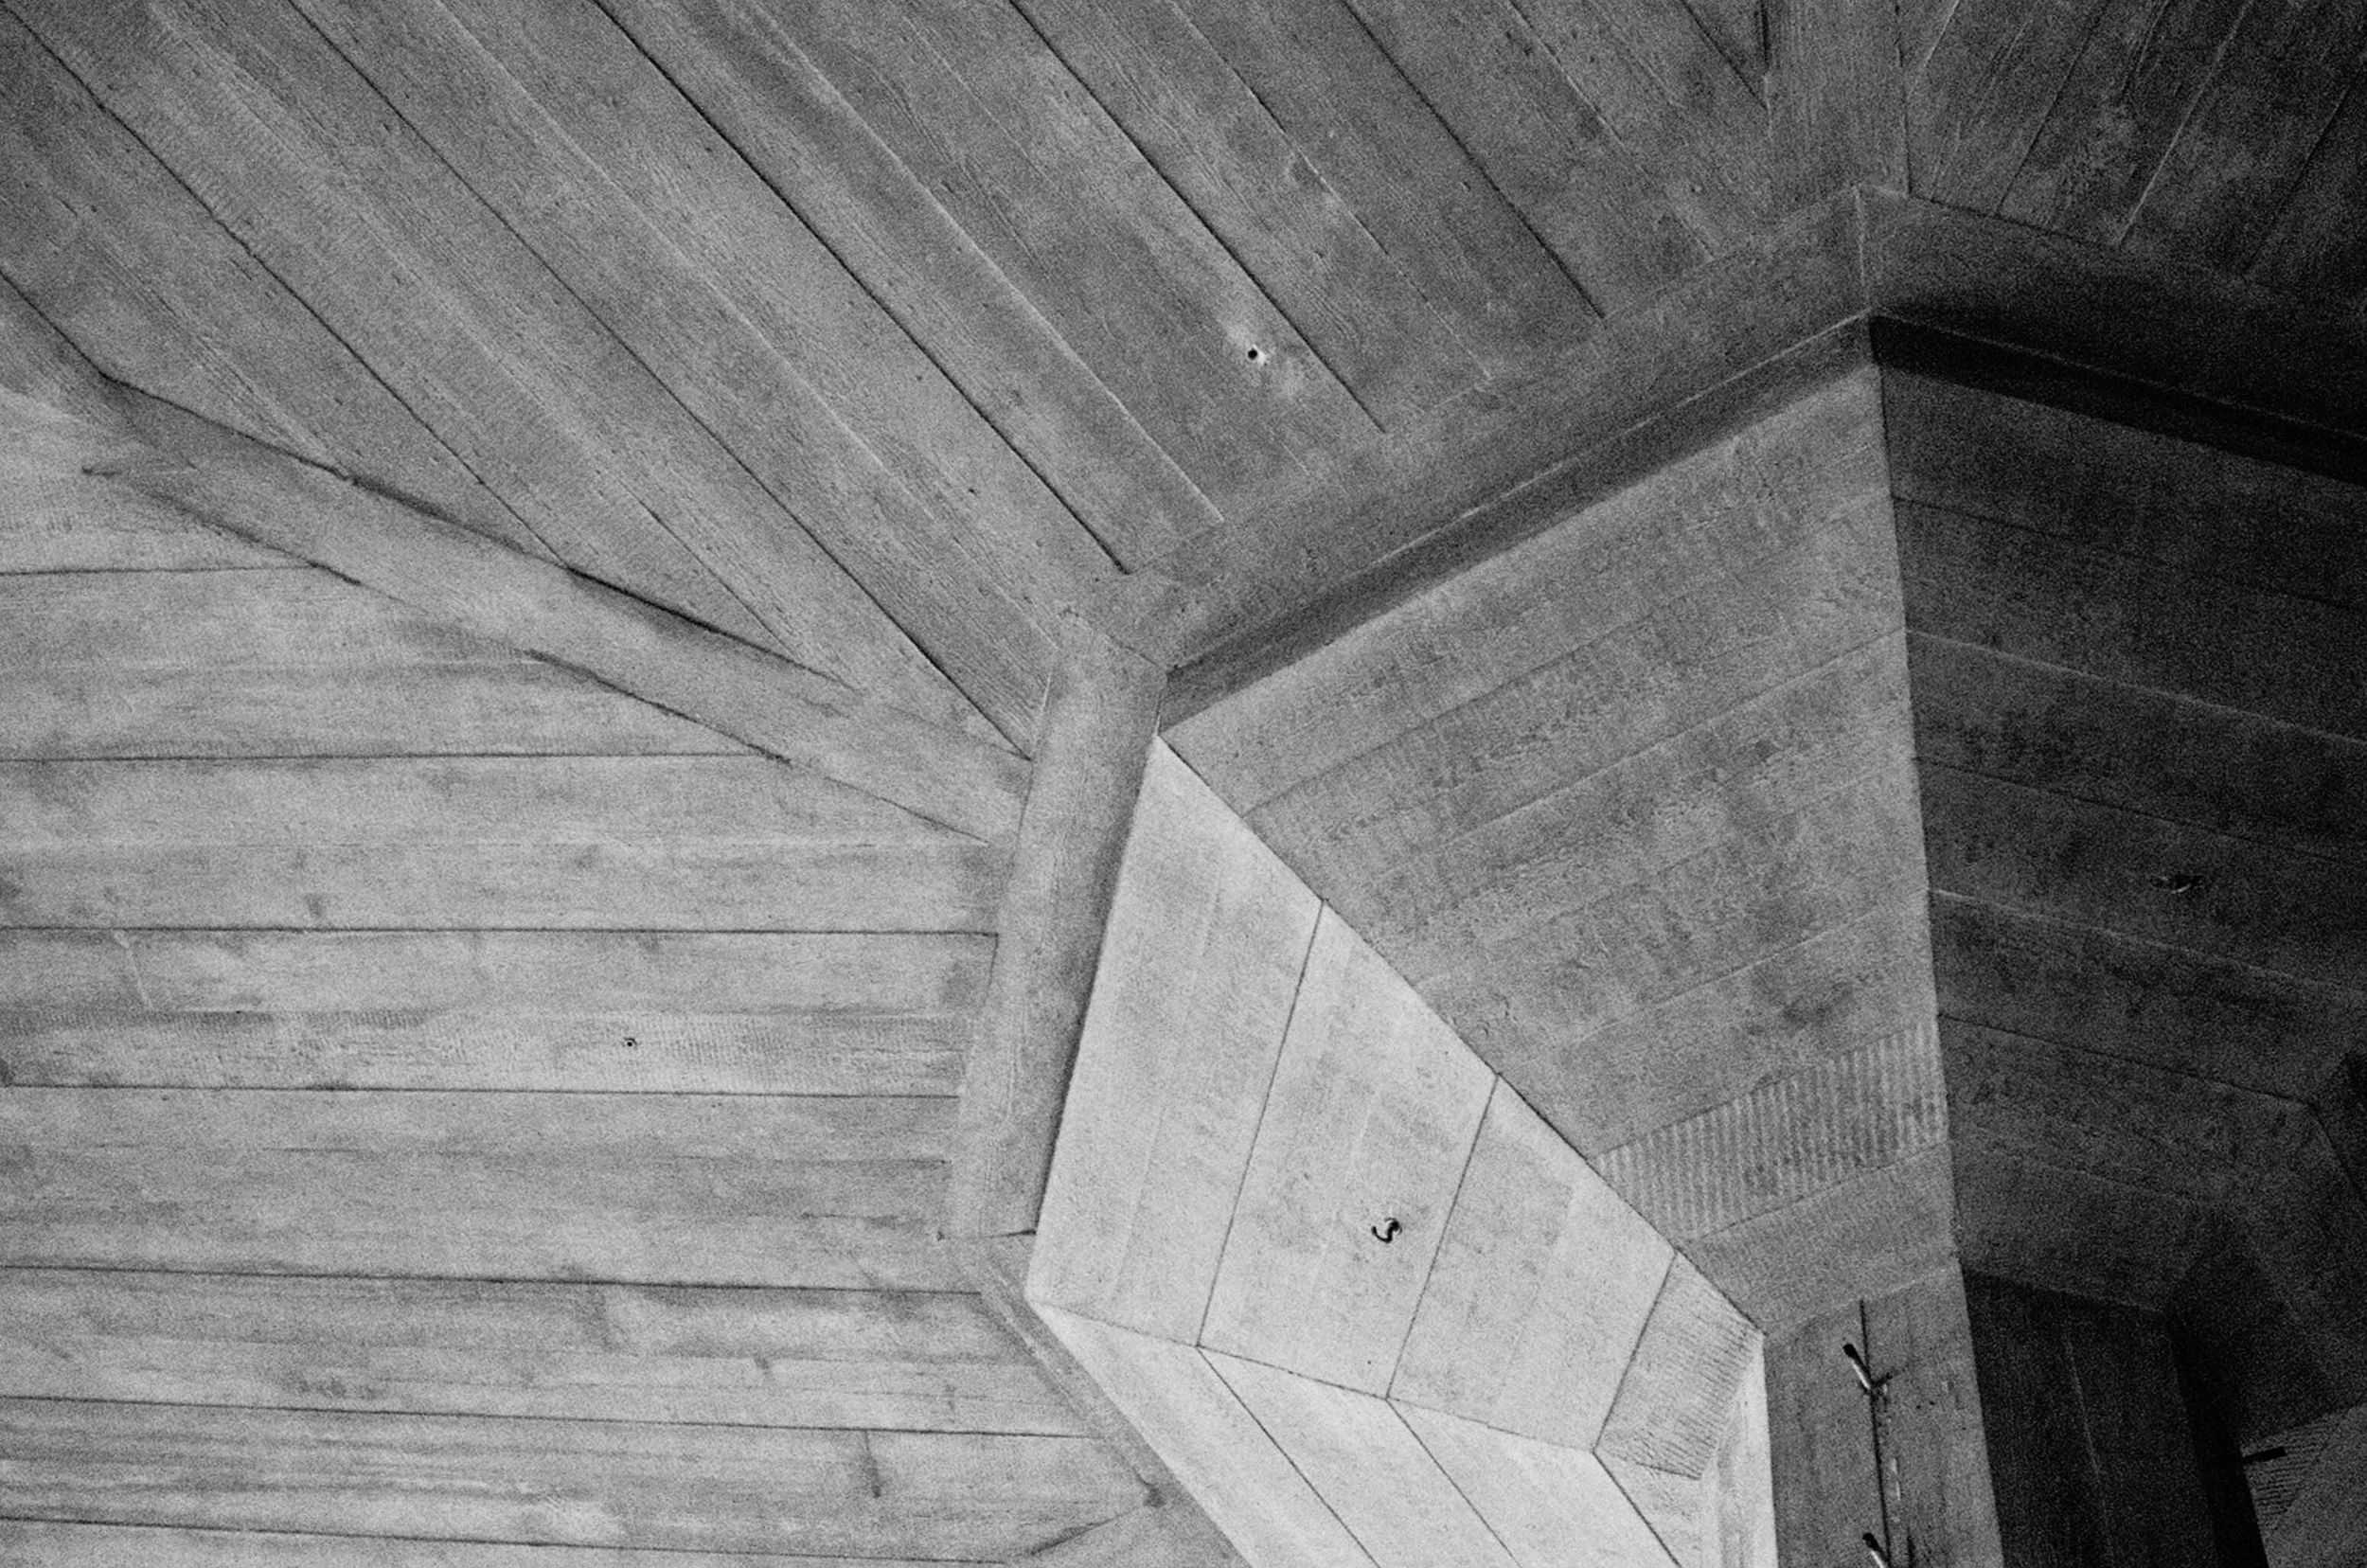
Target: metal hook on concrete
[{"x": 1866, "y": 1379}]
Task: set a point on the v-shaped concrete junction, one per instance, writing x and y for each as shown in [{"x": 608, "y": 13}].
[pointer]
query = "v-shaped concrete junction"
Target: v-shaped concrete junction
[
  {"x": 1359, "y": 1296},
  {"x": 1895, "y": 871}
]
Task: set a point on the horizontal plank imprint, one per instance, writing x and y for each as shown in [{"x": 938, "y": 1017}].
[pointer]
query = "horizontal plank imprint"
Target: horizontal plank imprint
[
  {"x": 917, "y": 1362},
  {"x": 61, "y": 513},
  {"x": 2055, "y": 858},
  {"x": 661, "y": 1190},
  {"x": 2104, "y": 486},
  {"x": 799, "y": 1053},
  {"x": 2124, "y": 619},
  {"x": 1609, "y": 698},
  {"x": 422, "y": 972},
  {"x": 2119, "y": 994},
  {"x": 288, "y": 663},
  {"x": 728, "y": 843},
  {"x": 1709, "y": 518},
  {"x": 61, "y": 1546},
  {"x": 584, "y": 1483},
  {"x": 2141, "y": 750}
]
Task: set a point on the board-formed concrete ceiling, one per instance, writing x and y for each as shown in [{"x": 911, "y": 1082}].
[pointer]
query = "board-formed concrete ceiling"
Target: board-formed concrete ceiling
[
  {"x": 882, "y": 354},
  {"x": 786, "y": 315}
]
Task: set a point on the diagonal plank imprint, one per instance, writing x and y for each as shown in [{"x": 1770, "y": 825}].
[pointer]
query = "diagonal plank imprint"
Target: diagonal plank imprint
[{"x": 1362, "y": 1300}]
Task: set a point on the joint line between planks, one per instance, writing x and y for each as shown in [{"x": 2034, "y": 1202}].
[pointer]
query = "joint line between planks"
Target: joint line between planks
[
  {"x": 2201, "y": 956},
  {"x": 608, "y": 9},
  {"x": 538, "y": 1282},
  {"x": 1232, "y": 255},
  {"x": 306, "y": 305},
  {"x": 407, "y": 1414},
  {"x": 462, "y": 181},
  {"x": 1234, "y": 1209},
  {"x": 699, "y": 1556},
  {"x": 1577, "y": 284},
  {"x": 1288, "y": 1457}
]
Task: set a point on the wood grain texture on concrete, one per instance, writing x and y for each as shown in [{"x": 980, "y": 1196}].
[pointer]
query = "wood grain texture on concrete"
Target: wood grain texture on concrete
[
  {"x": 1509, "y": 101},
  {"x": 149, "y": 283},
  {"x": 997, "y": 1267},
  {"x": 1156, "y": 1535},
  {"x": 1522, "y": 785},
  {"x": 1370, "y": 1117},
  {"x": 1364, "y": 1460},
  {"x": 579, "y": 1483},
  {"x": 2045, "y": 1223},
  {"x": 2178, "y": 758},
  {"x": 2099, "y": 483},
  {"x": 1710, "y": 535},
  {"x": 82, "y": 1546},
  {"x": 1517, "y": 774},
  {"x": 543, "y": 609},
  {"x": 1216, "y": 1448},
  {"x": 1090, "y": 751},
  {"x": 1473, "y": 863},
  {"x": 546, "y": 843},
  {"x": 1930, "y": 1493},
  {"x": 1713, "y": 514},
  {"x": 1836, "y": 87},
  {"x": 1540, "y": 1291},
  {"x": 2210, "y": 1017},
  {"x": 2198, "y": 891},
  {"x": 2306, "y": 1221},
  {"x": 2111, "y": 1117},
  {"x": 2322, "y": 1519},
  {"x": 1873, "y": 1231},
  {"x": 2088, "y": 1443},
  {"x": 1780, "y": 1143},
  {"x": 1199, "y": 974},
  {"x": 782, "y": 116},
  {"x": 1579, "y": 1015},
  {"x": 2187, "y": 329},
  {"x": 725, "y": 1013},
  {"x": 1394, "y": 288},
  {"x": 1383, "y": 521},
  {"x": 1678, "y": 1392},
  {"x": 1386, "y": 1227},
  {"x": 2036, "y": 596},
  {"x": 467, "y": 1199},
  {"x": 836, "y": 1193},
  {"x": 530, "y": 1350},
  {"x": 953, "y": 537},
  {"x": 399, "y": 971},
  {"x": 271, "y": 663},
  {"x": 1724, "y": 1517},
  {"x": 257, "y": 115},
  {"x": 59, "y": 512},
  {"x": 1551, "y": 1505},
  {"x": 1076, "y": 215},
  {"x": 1170, "y": 1526}
]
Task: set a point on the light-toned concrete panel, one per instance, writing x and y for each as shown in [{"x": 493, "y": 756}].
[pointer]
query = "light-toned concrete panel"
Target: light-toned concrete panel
[
  {"x": 1551, "y": 1507},
  {"x": 1672, "y": 1505},
  {"x": 1672, "y": 1405},
  {"x": 1359, "y": 1453},
  {"x": 1207, "y": 934},
  {"x": 1374, "y": 1108},
  {"x": 1541, "y": 1290},
  {"x": 1741, "y": 1477},
  {"x": 1220, "y": 1452}
]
